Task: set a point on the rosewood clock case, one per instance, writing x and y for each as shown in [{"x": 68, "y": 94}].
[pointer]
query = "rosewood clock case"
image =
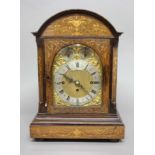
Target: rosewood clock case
[{"x": 68, "y": 122}]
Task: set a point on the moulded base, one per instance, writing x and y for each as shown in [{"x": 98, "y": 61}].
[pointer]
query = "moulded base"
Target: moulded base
[{"x": 46, "y": 126}]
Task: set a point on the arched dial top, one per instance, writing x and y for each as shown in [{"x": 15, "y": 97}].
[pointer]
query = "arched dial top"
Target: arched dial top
[{"x": 77, "y": 76}]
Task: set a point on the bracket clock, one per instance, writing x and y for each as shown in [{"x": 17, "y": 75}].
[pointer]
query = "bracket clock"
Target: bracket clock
[{"x": 77, "y": 72}]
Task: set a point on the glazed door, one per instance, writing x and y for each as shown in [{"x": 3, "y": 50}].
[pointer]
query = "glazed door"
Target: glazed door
[{"x": 101, "y": 48}]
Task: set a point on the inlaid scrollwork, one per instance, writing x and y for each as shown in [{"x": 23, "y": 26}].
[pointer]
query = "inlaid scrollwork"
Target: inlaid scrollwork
[
  {"x": 77, "y": 25},
  {"x": 78, "y": 132},
  {"x": 102, "y": 48}
]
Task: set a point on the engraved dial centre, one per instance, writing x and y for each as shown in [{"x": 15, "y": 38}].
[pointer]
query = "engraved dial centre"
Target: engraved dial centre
[{"x": 77, "y": 84}]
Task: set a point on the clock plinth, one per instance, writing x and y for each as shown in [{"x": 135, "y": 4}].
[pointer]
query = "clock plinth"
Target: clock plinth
[
  {"x": 46, "y": 126},
  {"x": 77, "y": 73}
]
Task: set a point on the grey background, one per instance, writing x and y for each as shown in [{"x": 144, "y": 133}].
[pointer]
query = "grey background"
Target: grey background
[{"x": 33, "y": 14}]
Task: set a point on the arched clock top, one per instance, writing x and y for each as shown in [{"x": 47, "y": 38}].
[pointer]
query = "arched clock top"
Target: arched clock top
[{"x": 77, "y": 23}]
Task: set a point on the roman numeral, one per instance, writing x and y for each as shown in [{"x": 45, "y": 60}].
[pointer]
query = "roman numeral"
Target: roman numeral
[
  {"x": 94, "y": 82},
  {"x": 77, "y": 64},
  {"x": 86, "y": 67},
  {"x": 93, "y": 73},
  {"x": 68, "y": 98},
  {"x": 61, "y": 91},
  {"x": 68, "y": 67},
  {"x": 58, "y": 83},
  {"x": 77, "y": 101},
  {"x": 93, "y": 91}
]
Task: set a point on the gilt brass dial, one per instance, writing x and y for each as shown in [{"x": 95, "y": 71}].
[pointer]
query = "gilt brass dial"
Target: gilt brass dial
[{"x": 77, "y": 77}]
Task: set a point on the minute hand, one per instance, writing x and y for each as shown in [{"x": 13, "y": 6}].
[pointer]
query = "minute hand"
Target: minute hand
[{"x": 70, "y": 80}]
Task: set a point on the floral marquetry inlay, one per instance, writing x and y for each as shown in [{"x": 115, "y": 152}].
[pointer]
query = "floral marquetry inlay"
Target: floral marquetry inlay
[
  {"x": 99, "y": 132},
  {"x": 77, "y": 25}
]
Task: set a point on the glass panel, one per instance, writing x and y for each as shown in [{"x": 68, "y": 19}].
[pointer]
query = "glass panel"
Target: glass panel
[{"x": 77, "y": 77}]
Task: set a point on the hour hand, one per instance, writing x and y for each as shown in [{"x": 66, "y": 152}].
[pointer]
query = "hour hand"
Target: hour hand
[
  {"x": 78, "y": 84},
  {"x": 81, "y": 86}
]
